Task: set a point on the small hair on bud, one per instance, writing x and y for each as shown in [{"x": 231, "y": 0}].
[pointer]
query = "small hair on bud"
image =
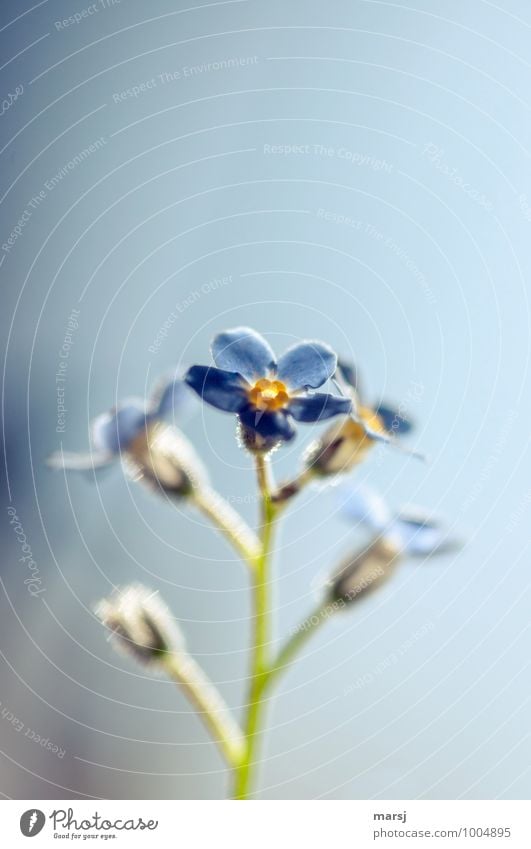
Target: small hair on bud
[
  {"x": 254, "y": 442},
  {"x": 165, "y": 460},
  {"x": 365, "y": 571},
  {"x": 141, "y": 624}
]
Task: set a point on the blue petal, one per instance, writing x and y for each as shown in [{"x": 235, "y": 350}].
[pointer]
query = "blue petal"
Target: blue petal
[
  {"x": 364, "y": 504},
  {"x": 349, "y": 373},
  {"x": 244, "y": 351},
  {"x": 169, "y": 397},
  {"x": 307, "y": 364},
  {"x": 393, "y": 420},
  {"x": 114, "y": 431},
  {"x": 313, "y": 408},
  {"x": 421, "y": 536},
  {"x": 268, "y": 425},
  {"x": 72, "y": 461},
  {"x": 221, "y": 389}
]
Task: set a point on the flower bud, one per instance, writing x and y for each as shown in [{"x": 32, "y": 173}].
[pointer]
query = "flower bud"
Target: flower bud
[
  {"x": 165, "y": 460},
  {"x": 365, "y": 571},
  {"x": 255, "y": 442},
  {"x": 141, "y": 624}
]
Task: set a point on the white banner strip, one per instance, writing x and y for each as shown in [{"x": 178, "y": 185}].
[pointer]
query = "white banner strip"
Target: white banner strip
[{"x": 268, "y": 825}]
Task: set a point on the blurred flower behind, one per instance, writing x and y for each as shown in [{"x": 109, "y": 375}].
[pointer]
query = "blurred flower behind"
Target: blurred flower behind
[
  {"x": 413, "y": 530},
  {"x": 348, "y": 442},
  {"x": 152, "y": 451}
]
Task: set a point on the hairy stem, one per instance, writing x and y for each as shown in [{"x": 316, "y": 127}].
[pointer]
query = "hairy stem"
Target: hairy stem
[
  {"x": 230, "y": 523},
  {"x": 186, "y": 672}
]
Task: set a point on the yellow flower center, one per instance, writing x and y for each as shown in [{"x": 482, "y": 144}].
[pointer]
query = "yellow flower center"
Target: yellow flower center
[{"x": 268, "y": 395}]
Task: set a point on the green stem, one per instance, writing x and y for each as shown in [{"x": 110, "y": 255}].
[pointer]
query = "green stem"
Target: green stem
[
  {"x": 230, "y": 523},
  {"x": 186, "y": 672},
  {"x": 261, "y": 622},
  {"x": 295, "y": 643}
]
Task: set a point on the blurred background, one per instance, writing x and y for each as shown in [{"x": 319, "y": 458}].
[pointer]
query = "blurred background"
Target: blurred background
[{"x": 353, "y": 172}]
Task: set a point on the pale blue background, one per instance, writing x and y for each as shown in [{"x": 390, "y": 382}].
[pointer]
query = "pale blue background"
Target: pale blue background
[{"x": 182, "y": 192}]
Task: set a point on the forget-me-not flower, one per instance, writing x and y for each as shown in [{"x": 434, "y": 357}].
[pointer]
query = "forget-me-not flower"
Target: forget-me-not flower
[
  {"x": 347, "y": 442},
  {"x": 267, "y": 394},
  {"x": 135, "y": 432},
  {"x": 413, "y": 530},
  {"x": 410, "y": 532},
  {"x": 381, "y": 418}
]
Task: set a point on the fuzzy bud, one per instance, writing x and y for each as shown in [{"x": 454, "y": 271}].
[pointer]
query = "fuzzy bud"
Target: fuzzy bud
[
  {"x": 165, "y": 460},
  {"x": 141, "y": 624},
  {"x": 254, "y": 442},
  {"x": 365, "y": 571}
]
